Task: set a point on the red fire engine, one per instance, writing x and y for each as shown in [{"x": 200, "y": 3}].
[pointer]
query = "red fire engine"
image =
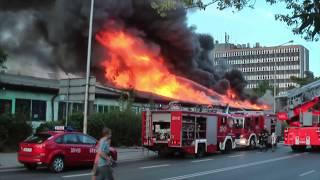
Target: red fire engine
[
  {"x": 303, "y": 117},
  {"x": 197, "y": 133},
  {"x": 247, "y": 126}
]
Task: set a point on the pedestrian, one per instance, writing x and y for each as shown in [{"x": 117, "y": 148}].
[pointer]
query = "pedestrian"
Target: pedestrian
[
  {"x": 273, "y": 141},
  {"x": 102, "y": 169}
]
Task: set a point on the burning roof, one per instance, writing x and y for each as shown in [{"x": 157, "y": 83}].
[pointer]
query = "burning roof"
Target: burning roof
[{"x": 135, "y": 48}]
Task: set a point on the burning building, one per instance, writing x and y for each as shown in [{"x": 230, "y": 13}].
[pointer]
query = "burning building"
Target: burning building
[{"x": 134, "y": 48}]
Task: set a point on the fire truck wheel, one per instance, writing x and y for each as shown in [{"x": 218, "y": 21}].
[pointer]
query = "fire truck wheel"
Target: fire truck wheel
[
  {"x": 228, "y": 147},
  {"x": 201, "y": 151},
  {"x": 298, "y": 148},
  {"x": 253, "y": 143}
]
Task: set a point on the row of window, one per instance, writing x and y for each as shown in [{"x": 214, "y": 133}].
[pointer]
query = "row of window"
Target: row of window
[
  {"x": 104, "y": 108},
  {"x": 259, "y": 60},
  {"x": 246, "y": 52},
  {"x": 280, "y": 85},
  {"x": 269, "y": 68},
  {"x": 272, "y": 76},
  {"x": 34, "y": 110}
]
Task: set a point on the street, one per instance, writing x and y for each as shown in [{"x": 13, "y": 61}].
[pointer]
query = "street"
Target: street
[{"x": 250, "y": 165}]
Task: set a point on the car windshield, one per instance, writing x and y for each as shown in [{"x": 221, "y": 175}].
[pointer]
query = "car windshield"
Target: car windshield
[{"x": 37, "y": 138}]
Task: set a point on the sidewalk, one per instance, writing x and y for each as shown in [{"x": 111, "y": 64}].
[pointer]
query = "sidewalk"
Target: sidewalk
[{"x": 9, "y": 160}]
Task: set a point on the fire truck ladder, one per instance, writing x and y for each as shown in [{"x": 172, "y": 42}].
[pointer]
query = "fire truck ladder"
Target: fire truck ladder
[{"x": 303, "y": 94}]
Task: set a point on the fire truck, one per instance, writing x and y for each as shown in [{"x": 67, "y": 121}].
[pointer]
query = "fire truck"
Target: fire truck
[
  {"x": 247, "y": 125},
  {"x": 197, "y": 132},
  {"x": 303, "y": 117}
]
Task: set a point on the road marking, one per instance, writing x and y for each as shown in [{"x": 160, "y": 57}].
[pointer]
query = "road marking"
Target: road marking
[
  {"x": 77, "y": 175},
  {"x": 12, "y": 170},
  {"x": 155, "y": 166},
  {"x": 236, "y": 156},
  {"x": 203, "y": 173},
  {"x": 202, "y": 160},
  {"x": 307, "y": 173}
]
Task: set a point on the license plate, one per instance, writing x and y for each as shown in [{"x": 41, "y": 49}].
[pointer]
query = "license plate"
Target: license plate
[{"x": 27, "y": 149}]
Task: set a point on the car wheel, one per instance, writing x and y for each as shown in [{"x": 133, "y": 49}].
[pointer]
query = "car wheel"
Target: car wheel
[
  {"x": 57, "y": 164},
  {"x": 30, "y": 166}
]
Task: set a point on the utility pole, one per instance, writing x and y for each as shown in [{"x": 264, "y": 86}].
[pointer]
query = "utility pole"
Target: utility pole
[{"x": 86, "y": 97}]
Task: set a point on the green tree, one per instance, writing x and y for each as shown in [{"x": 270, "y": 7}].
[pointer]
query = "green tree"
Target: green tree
[
  {"x": 301, "y": 81},
  {"x": 304, "y": 15},
  {"x": 3, "y": 58},
  {"x": 262, "y": 88}
]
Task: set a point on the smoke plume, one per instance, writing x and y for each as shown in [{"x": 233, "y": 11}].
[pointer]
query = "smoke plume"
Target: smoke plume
[{"x": 54, "y": 34}]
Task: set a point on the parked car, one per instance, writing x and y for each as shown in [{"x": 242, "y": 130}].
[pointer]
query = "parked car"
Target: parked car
[{"x": 59, "y": 149}]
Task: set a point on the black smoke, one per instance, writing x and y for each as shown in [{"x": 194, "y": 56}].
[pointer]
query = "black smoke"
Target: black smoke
[{"x": 55, "y": 33}]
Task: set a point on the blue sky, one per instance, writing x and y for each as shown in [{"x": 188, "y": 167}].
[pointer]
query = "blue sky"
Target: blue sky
[{"x": 251, "y": 26}]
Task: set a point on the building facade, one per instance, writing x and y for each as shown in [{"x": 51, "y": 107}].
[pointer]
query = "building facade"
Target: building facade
[
  {"x": 272, "y": 64},
  {"x": 38, "y": 99}
]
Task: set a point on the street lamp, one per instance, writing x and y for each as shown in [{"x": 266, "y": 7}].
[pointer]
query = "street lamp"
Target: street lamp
[
  {"x": 86, "y": 97},
  {"x": 274, "y": 77}
]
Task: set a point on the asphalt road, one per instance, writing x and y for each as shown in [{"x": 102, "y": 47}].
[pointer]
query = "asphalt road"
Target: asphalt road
[{"x": 246, "y": 165}]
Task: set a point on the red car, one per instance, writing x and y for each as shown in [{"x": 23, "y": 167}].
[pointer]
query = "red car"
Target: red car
[{"x": 58, "y": 149}]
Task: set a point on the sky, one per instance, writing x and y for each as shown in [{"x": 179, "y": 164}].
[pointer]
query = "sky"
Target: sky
[{"x": 251, "y": 26}]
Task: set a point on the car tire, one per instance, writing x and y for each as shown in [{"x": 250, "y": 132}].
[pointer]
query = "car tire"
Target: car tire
[
  {"x": 57, "y": 164},
  {"x": 30, "y": 166}
]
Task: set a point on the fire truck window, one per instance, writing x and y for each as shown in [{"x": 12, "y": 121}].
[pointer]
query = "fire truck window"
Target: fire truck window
[
  {"x": 161, "y": 130},
  {"x": 224, "y": 122},
  {"x": 238, "y": 123},
  {"x": 230, "y": 122},
  {"x": 257, "y": 121},
  {"x": 247, "y": 123}
]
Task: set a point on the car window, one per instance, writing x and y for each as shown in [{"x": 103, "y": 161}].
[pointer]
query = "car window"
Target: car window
[
  {"x": 37, "y": 138},
  {"x": 59, "y": 140},
  {"x": 70, "y": 139},
  {"x": 86, "y": 139}
]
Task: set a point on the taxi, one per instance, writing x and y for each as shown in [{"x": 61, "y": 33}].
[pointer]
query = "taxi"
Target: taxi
[{"x": 59, "y": 149}]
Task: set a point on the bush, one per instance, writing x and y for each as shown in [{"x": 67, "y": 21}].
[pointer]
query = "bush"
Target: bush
[
  {"x": 13, "y": 130},
  {"x": 125, "y": 126},
  {"x": 48, "y": 126},
  {"x": 75, "y": 121}
]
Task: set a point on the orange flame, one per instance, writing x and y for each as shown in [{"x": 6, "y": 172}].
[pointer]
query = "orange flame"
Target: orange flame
[{"x": 134, "y": 63}]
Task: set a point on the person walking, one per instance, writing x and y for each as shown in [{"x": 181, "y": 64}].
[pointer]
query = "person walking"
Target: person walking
[
  {"x": 273, "y": 141},
  {"x": 102, "y": 169}
]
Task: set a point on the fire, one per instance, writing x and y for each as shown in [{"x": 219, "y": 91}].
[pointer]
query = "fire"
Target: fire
[{"x": 134, "y": 63}]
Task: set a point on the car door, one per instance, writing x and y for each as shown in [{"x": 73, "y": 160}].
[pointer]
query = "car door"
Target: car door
[
  {"x": 88, "y": 149},
  {"x": 72, "y": 149}
]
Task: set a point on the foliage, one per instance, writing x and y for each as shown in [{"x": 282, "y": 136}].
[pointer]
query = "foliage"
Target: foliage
[
  {"x": 309, "y": 78},
  {"x": 48, "y": 126},
  {"x": 125, "y": 126},
  {"x": 304, "y": 17},
  {"x": 13, "y": 130},
  {"x": 262, "y": 88},
  {"x": 3, "y": 58}
]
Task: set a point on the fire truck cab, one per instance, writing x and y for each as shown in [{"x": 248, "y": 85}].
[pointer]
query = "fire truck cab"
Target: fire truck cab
[
  {"x": 185, "y": 131},
  {"x": 248, "y": 125}
]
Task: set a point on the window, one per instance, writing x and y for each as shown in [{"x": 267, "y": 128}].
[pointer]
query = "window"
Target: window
[
  {"x": 86, "y": 139},
  {"x": 5, "y": 106},
  {"x": 39, "y": 109},
  {"x": 114, "y": 108},
  {"x": 62, "y": 110},
  {"x": 106, "y": 109},
  {"x": 100, "y": 109},
  {"x": 59, "y": 140},
  {"x": 77, "y": 107},
  {"x": 37, "y": 138},
  {"x": 23, "y": 107},
  {"x": 70, "y": 139}
]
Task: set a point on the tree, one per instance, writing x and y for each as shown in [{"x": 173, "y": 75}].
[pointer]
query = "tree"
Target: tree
[
  {"x": 309, "y": 78},
  {"x": 262, "y": 88},
  {"x": 3, "y": 58},
  {"x": 304, "y": 16}
]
